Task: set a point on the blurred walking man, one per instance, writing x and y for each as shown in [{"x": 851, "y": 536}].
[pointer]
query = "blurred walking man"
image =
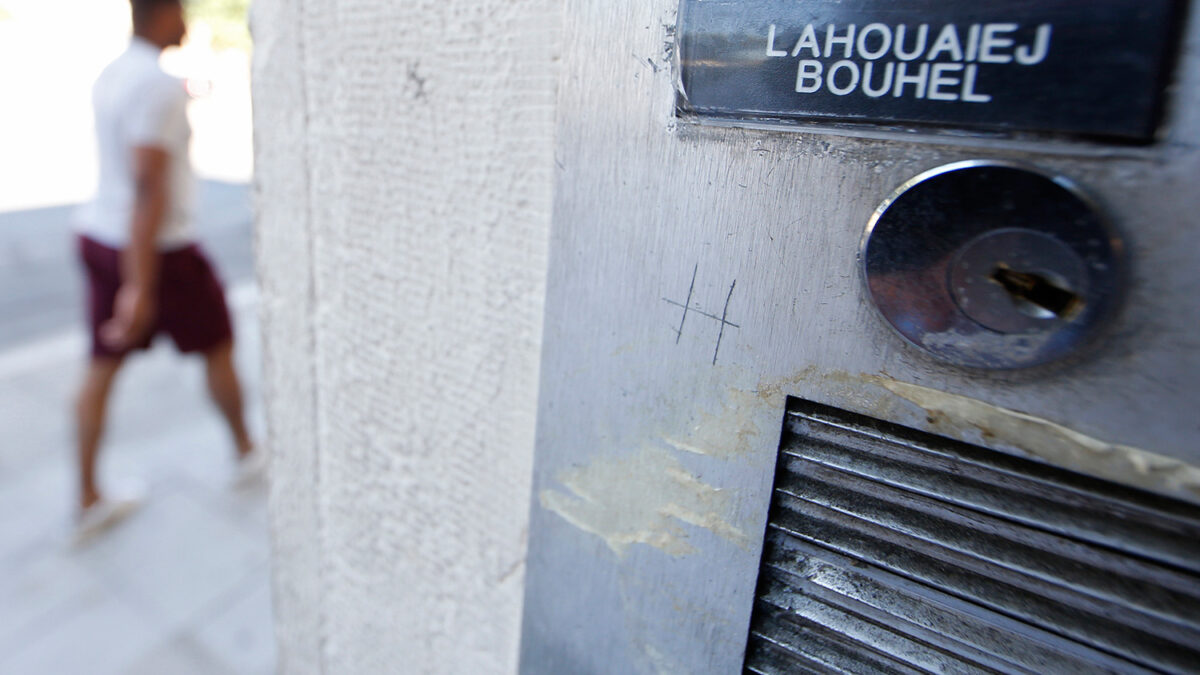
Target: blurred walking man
[{"x": 145, "y": 274}]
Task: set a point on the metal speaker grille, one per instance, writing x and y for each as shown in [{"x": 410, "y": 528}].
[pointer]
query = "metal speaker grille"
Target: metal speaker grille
[{"x": 890, "y": 550}]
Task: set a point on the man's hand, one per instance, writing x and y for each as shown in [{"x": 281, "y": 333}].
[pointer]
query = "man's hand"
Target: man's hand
[{"x": 133, "y": 317}]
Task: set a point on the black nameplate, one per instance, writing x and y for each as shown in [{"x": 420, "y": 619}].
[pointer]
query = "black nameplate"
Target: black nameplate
[{"x": 1084, "y": 67}]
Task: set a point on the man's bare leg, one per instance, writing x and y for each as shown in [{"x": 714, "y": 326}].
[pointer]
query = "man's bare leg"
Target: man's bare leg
[
  {"x": 226, "y": 392},
  {"x": 90, "y": 410}
]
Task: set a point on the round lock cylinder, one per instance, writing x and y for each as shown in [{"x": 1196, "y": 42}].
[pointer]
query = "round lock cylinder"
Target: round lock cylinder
[{"x": 990, "y": 264}]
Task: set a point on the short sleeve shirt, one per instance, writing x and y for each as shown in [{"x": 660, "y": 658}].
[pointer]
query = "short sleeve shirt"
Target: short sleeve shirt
[{"x": 138, "y": 105}]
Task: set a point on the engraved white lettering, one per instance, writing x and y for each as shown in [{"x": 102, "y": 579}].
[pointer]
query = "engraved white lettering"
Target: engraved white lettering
[
  {"x": 808, "y": 40},
  {"x": 947, "y": 41},
  {"x": 831, "y": 79},
  {"x": 938, "y": 79},
  {"x": 903, "y": 78},
  {"x": 889, "y": 70},
  {"x": 771, "y": 51},
  {"x": 992, "y": 42},
  {"x": 969, "y": 94},
  {"x": 922, "y": 38},
  {"x": 832, "y": 38},
  {"x": 808, "y": 76},
  {"x": 1041, "y": 47},
  {"x": 885, "y": 41},
  {"x": 922, "y": 61},
  {"x": 973, "y": 42}
]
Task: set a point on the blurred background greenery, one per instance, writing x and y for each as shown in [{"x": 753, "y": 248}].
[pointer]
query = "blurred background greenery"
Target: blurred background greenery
[{"x": 225, "y": 18}]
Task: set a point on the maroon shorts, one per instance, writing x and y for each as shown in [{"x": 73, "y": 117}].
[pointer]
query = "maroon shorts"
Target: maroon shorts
[{"x": 191, "y": 303}]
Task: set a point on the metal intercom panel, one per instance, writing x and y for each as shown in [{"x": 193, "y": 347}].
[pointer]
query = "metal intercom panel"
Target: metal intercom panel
[{"x": 737, "y": 227}]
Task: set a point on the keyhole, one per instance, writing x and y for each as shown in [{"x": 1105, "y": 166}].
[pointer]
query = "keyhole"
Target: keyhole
[{"x": 1036, "y": 295}]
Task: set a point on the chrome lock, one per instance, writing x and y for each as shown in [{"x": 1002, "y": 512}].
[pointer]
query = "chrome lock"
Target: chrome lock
[{"x": 992, "y": 265}]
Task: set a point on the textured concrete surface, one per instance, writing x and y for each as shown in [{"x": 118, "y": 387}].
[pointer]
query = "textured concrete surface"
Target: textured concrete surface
[
  {"x": 404, "y": 157},
  {"x": 183, "y": 586}
]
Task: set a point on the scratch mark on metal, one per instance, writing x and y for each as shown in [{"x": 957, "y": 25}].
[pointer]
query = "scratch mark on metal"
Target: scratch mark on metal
[
  {"x": 688, "y": 307},
  {"x": 724, "y": 313},
  {"x": 687, "y": 304},
  {"x": 701, "y": 312}
]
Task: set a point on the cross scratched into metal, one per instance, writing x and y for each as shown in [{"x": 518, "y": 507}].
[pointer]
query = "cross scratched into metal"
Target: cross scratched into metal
[{"x": 687, "y": 306}]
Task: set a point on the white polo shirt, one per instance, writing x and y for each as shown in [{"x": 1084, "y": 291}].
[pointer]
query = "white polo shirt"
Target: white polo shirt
[{"x": 137, "y": 105}]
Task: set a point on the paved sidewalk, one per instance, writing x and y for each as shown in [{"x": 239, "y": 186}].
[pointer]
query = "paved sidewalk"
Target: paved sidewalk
[{"x": 181, "y": 587}]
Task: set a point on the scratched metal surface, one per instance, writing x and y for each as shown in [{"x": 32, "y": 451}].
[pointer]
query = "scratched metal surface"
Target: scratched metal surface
[
  {"x": 655, "y": 448},
  {"x": 894, "y": 550}
]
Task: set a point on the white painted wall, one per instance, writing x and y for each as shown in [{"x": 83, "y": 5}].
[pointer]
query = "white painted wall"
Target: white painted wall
[{"x": 404, "y": 155}]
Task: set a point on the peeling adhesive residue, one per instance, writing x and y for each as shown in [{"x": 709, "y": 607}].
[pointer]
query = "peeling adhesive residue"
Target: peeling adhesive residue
[
  {"x": 643, "y": 498},
  {"x": 1055, "y": 443},
  {"x": 734, "y": 430},
  {"x": 726, "y": 434}
]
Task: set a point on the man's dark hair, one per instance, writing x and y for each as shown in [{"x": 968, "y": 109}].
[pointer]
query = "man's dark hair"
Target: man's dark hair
[{"x": 143, "y": 9}]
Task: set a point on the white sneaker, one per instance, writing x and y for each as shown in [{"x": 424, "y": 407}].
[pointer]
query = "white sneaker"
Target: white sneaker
[
  {"x": 251, "y": 468},
  {"x": 102, "y": 516}
]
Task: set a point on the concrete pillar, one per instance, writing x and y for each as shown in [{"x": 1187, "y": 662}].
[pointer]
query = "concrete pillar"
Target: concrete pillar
[{"x": 404, "y": 158}]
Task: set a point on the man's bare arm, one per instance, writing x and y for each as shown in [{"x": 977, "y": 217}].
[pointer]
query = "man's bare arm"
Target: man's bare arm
[
  {"x": 140, "y": 261},
  {"x": 133, "y": 313}
]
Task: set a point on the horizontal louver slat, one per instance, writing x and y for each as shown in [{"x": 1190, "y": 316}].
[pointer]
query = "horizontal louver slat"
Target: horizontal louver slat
[{"x": 892, "y": 550}]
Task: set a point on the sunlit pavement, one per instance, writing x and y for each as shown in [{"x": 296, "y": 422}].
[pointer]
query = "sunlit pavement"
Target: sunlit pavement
[{"x": 182, "y": 586}]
